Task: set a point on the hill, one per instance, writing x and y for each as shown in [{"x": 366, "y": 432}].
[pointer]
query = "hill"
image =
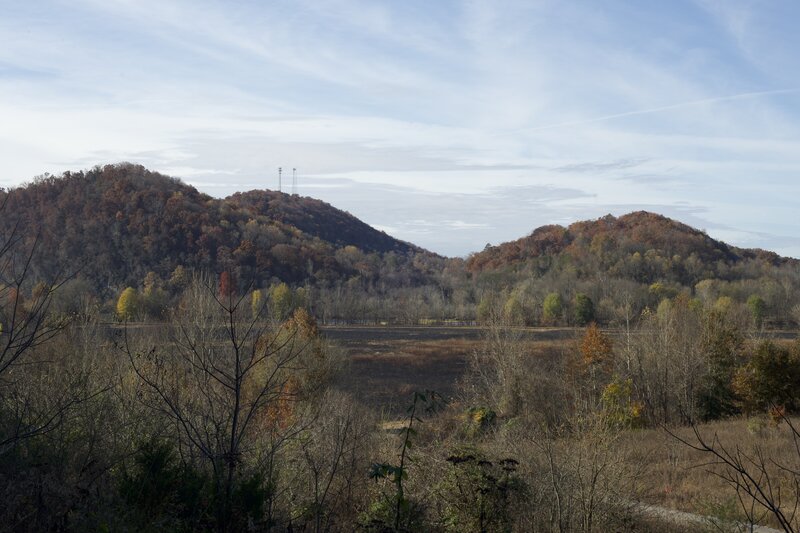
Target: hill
[
  {"x": 124, "y": 226},
  {"x": 640, "y": 246},
  {"x": 317, "y": 219},
  {"x": 117, "y": 223}
]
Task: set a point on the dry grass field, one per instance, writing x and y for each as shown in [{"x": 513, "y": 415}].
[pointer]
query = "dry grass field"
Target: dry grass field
[
  {"x": 385, "y": 365},
  {"x": 678, "y": 477}
]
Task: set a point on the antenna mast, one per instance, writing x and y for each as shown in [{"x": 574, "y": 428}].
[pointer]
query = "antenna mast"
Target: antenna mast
[
  {"x": 280, "y": 170},
  {"x": 294, "y": 182}
]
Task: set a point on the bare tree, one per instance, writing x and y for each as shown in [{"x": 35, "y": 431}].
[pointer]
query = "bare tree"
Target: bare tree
[
  {"x": 587, "y": 480},
  {"x": 25, "y": 324},
  {"x": 328, "y": 465},
  {"x": 497, "y": 371},
  {"x": 229, "y": 379}
]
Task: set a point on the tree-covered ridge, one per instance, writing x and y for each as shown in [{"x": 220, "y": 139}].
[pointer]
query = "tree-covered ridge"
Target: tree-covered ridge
[
  {"x": 640, "y": 246},
  {"x": 117, "y": 223},
  {"x": 317, "y": 218},
  {"x": 122, "y": 226}
]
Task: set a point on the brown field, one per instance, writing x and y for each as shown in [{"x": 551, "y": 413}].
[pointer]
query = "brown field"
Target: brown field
[
  {"x": 681, "y": 478},
  {"x": 385, "y": 365}
]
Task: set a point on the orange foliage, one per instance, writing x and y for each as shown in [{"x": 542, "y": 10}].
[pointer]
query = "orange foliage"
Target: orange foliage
[
  {"x": 279, "y": 413},
  {"x": 597, "y": 348},
  {"x": 302, "y": 324},
  {"x": 664, "y": 249},
  {"x": 122, "y": 221},
  {"x": 226, "y": 287}
]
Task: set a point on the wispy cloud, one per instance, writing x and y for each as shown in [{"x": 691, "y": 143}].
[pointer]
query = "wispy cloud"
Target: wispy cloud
[
  {"x": 595, "y": 167},
  {"x": 670, "y": 107}
]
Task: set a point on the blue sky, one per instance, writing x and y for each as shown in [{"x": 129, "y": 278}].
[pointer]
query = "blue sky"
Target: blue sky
[{"x": 448, "y": 124}]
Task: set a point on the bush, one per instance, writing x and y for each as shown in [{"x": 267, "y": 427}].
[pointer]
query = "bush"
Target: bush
[
  {"x": 770, "y": 378},
  {"x": 583, "y": 309},
  {"x": 479, "y": 419},
  {"x": 163, "y": 494},
  {"x": 479, "y": 493}
]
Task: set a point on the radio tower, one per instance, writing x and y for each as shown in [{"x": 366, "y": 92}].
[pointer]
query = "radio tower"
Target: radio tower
[
  {"x": 294, "y": 182},
  {"x": 280, "y": 170}
]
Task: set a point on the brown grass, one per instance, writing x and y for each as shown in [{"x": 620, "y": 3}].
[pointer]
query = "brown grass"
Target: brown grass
[
  {"x": 682, "y": 478},
  {"x": 386, "y": 365}
]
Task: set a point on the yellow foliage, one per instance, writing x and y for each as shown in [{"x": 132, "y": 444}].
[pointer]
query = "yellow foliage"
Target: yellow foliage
[
  {"x": 255, "y": 302},
  {"x": 619, "y": 408},
  {"x": 127, "y": 305}
]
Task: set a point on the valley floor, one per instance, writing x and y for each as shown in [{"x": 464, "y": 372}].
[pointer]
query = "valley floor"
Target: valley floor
[{"x": 385, "y": 365}]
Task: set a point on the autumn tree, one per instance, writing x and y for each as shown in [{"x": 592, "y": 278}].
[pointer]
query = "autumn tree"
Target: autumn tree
[
  {"x": 597, "y": 348},
  {"x": 226, "y": 285},
  {"x": 179, "y": 278},
  {"x": 486, "y": 308},
  {"x": 597, "y": 358},
  {"x": 128, "y": 304},
  {"x": 619, "y": 408},
  {"x": 513, "y": 311},
  {"x": 153, "y": 299},
  {"x": 281, "y": 301},
  {"x": 659, "y": 292},
  {"x": 256, "y": 302}
]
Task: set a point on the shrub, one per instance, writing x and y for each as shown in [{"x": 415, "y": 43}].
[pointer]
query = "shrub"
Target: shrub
[
  {"x": 620, "y": 410},
  {"x": 770, "y": 378},
  {"x": 479, "y": 493},
  {"x": 583, "y": 309},
  {"x": 479, "y": 419}
]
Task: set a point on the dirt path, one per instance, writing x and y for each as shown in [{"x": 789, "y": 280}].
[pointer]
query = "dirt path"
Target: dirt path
[{"x": 683, "y": 518}]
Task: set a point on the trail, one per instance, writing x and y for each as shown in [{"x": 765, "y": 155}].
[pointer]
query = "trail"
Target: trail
[{"x": 683, "y": 518}]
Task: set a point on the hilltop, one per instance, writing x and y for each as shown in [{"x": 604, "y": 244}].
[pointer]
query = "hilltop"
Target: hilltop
[
  {"x": 119, "y": 222},
  {"x": 640, "y": 246}
]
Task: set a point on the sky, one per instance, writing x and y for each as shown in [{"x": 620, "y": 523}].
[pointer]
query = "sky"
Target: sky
[{"x": 449, "y": 124}]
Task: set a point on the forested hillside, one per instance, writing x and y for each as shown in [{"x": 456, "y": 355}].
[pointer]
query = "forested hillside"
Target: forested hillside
[
  {"x": 118, "y": 223},
  {"x": 123, "y": 226},
  {"x": 619, "y": 266},
  {"x": 639, "y": 246}
]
